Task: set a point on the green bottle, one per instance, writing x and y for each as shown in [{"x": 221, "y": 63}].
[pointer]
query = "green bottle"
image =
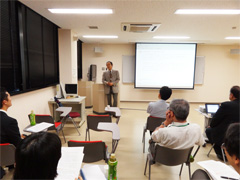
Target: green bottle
[
  {"x": 112, "y": 168},
  {"x": 32, "y": 118}
]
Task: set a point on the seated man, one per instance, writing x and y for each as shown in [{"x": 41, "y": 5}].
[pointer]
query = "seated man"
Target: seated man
[
  {"x": 9, "y": 131},
  {"x": 159, "y": 108},
  {"x": 231, "y": 146},
  {"x": 175, "y": 132},
  {"x": 227, "y": 113}
]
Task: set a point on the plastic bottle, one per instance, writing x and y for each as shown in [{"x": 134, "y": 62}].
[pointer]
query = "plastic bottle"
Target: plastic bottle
[
  {"x": 32, "y": 118},
  {"x": 112, "y": 168}
]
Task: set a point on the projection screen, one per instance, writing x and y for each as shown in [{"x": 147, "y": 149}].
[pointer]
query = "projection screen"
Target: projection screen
[{"x": 171, "y": 65}]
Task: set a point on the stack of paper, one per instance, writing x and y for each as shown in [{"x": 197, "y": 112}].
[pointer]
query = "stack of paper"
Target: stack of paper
[
  {"x": 217, "y": 170},
  {"x": 39, "y": 127},
  {"x": 92, "y": 172},
  {"x": 70, "y": 163}
]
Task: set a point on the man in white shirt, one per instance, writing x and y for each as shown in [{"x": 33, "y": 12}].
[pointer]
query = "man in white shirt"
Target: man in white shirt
[
  {"x": 175, "y": 132},
  {"x": 159, "y": 108}
]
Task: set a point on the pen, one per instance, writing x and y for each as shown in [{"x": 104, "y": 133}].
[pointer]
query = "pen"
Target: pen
[{"x": 224, "y": 177}]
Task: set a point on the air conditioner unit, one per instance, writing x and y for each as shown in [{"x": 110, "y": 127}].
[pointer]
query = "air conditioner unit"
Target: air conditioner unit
[{"x": 140, "y": 27}]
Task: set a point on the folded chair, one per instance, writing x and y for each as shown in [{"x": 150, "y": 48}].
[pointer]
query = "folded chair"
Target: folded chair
[
  {"x": 7, "y": 152},
  {"x": 71, "y": 115},
  {"x": 92, "y": 123},
  {"x": 170, "y": 157},
  {"x": 93, "y": 150},
  {"x": 47, "y": 118},
  {"x": 151, "y": 124}
]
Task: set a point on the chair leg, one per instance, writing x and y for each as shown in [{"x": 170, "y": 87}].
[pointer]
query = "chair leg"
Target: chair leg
[
  {"x": 181, "y": 170},
  {"x": 75, "y": 126},
  {"x": 64, "y": 136},
  {"x": 86, "y": 135},
  {"x": 210, "y": 150},
  {"x": 146, "y": 166},
  {"x": 149, "y": 176},
  {"x": 189, "y": 170},
  {"x": 223, "y": 155}
]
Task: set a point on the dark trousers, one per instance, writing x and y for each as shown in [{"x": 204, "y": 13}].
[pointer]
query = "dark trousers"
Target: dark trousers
[
  {"x": 217, "y": 146},
  {"x": 115, "y": 98}
]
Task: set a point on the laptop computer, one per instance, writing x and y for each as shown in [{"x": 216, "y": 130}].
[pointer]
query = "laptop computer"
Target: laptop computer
[{"x": 211, "y": 108}]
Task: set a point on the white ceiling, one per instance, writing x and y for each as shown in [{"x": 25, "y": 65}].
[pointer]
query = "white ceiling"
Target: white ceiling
[{"x": 208, "y": 29}]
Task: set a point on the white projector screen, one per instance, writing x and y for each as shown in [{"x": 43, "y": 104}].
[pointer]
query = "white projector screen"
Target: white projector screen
[{"x": 171, "y": 65}]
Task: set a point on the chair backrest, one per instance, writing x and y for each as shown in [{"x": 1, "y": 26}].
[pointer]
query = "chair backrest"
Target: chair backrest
[
  {"x": 172, "y": 157},
  {"x": 39, "y": 118},
  {"x": 7, "y": 152},
  {"x": 93, "y": 120},
  {"x": 153, "y": 122},
  {"x": 93, "y": 150},
  {"x": 200, "y": 174}
]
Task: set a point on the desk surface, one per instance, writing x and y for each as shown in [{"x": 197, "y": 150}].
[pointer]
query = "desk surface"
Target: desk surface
[
  {"x": 39, "y": 127},
  {"x": 204, "y": 114},
  {"x": 114, "y": 109},
  {"x": 112, "y": 127},
  {"x": 71, "y": 100},
  {"x": 65, "y": 110}
]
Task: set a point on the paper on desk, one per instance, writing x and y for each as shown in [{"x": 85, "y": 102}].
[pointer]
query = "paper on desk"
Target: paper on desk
[
  {"x": 217, "y": 169},
  {"x": 93, "y": 172},
  {"x": 70, "y": 163},
  {"x": 39, "y": 127}
]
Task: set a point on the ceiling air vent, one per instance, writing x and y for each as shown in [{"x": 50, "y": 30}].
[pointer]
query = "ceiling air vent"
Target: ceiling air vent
[{"x": 140, "y": 27}]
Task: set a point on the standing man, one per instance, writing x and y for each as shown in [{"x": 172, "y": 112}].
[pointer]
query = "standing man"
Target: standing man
[
  {"x": 9, "y": 131},
  {"x": 110, "y": 80},
  {"x": 227, "y": 114}
]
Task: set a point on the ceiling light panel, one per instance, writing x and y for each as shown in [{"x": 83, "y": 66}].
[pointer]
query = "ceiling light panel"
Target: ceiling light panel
[
  {"x": 171, "y": 37},
  {"x": 100, "y": 37},
  {"x": 81, "y": 11},
  {"x": 238, "y": 38},
  {"x": 207, "y": 11}
]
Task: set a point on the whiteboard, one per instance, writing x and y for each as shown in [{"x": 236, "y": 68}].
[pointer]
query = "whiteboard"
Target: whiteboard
[
  {"x": 200, "y": 69},
  {"x": 128, "y": 69}
]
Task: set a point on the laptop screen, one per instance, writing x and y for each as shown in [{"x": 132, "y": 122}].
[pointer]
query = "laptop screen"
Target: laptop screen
[{"x": 211, "y": 108}]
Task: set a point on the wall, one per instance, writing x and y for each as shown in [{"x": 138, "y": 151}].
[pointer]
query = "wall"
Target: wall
[
  {"x": 37, "y": 101},
  {"x": 222, "y": 70},
  {"x": 67, "y": 56}
]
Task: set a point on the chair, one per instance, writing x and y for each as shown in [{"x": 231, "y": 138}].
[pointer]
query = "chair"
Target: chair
[
  {"x": 7, "y": 152},
  {"x": 92, "y": 123},
  {"x": 170, "y": 157},
  {"x": 151, "y": 124},
  {"x": 200, "y": 174},
  {"x": 223, "y": 154},
  {"x": 71, "y": 115},
  {"x": 93, "y": 150},
  {"x": 47, "y": 118}
]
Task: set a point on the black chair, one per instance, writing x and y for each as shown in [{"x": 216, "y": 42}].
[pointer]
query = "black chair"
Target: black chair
[
  {"x": 93, "y": 150},
  {"x": 92, "y": 123},
  {"x": 7, "y": 152},
  {"x": 170, "y": 157},
  {"x": 39, "y": 118},
  {"x": 151, "y": 124},
  {"x": 200, "y": 174}
]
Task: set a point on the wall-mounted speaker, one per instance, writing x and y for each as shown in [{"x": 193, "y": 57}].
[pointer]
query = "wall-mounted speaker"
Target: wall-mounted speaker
[
  {"x": 98, "y": 50},
  {"x": 234, "y": 51}
]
